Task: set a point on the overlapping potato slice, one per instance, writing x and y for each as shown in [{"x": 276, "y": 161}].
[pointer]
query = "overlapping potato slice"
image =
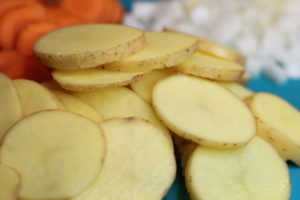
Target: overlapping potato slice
[
  {"x": 203, "y": 111},
  {"x": 278, "y": 122},
  {"x": 237, "y": 89},
  {"x": 57, "y": 153},
  {"x": 255, "y": 171},
  {"x": 163, "y": 50},
  {"x": 246, "y": 77},
  {"x": 94, "y": 78},
  {"x": 51, "y": 85},
  {"x": 207, "y": 66},
  {"x": 9, "y": 183},
  {"x": 139, "y": 165},
  {"x": 90, "y": 45}
]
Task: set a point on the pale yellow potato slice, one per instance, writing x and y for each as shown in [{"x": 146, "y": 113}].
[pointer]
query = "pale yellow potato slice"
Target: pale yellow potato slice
[
  {"x": 90, "y": 45},
  {"x": 255, "y": 171},
  {"x": 245, "y": 78},
  {"x": 140, "y": 164},
  {"x": 203, "y": 111},
  {"x": 94, "y": 78},
  {"x": 10, "y": 108},
  {"x": 144, "y": 86},
  {"x": 9, "y": 183},
  {"x": 237, "y": 89},
  {"x": 163, "y": 50},
  {"x": 278, "y": 122},
  {"x": 57, "y": 153},
  {"x": 207, "y": 66},
  {"x": 75, "y": 105}
]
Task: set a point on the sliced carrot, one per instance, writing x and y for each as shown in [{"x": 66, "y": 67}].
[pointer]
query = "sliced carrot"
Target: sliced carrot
[
  {"x": 105, "y": 14},
  {"x": 117, "y": 14},
  {"x": 8, "y": 58},
  {"x": 6, "y": 6},
  {"x": 17, "y": 69},
  {"x": 120, "y": 11},
  {"x": 36, "y": 71}
]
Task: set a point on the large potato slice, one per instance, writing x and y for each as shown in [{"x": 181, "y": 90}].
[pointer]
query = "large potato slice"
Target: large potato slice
[
  {"x": 10, "y": 108},
  {"x": 278, "y": 123},
  {"x": 94, "y": 78},
  {"x": 85, "y": 46},
  {"x": 203, "y": 111},
  {"x": 255, "y": 171},
  {"x": 163, "y": 50},
  {"x": 239, "y": 90},
  {"x": 140, "y": 163},
  {"x": 57, "y": 153},
  {"x": 9, "y": 183}
]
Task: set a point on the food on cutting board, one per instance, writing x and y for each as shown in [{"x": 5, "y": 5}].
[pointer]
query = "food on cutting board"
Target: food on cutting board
[{"x": 10, "y": 182}]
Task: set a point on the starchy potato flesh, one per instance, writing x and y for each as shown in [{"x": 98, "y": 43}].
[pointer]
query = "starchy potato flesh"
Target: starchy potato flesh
[
  {"x": 139, "y": 165},
  {"x": 203, "y": 111},
  {"x": 9, "y": 104},
  {"x": 237, "y": 89},
  {"x": 163, "y": 50},
  {"x": 90, "y": 45},
  {"x": 57, "y": 153},
  {"x": 207, "y": 66},
  {"x": 9, "y": 183},
  {"x": 278, "y": 122},
  {"x": 94, "y": 78},
  {"x": 254, "y": 171}
]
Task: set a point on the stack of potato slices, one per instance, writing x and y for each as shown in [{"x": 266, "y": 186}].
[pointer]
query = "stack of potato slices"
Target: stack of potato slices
[{"x": 105, "y": 127}]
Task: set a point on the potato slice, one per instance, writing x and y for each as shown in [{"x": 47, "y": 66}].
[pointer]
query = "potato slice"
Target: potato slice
[
  {"x": 51, "y": 85},
  {"x": 90, "y": 79},
  {"x": 237, "y": 89},
  {"x": 163, "y": 50},
  {"x": 34, "y": 97},
  {"x": 75, "y": 105},
  {"x": 139, "y": 165},
  {"x": 245, "y": 78},
  {"x": 144, "y": 86},
  {"x": 9, "y": 183},
  {"x": 10, "y": 108},
  {"x": 90, "y": 45},
  {"x": 57, "y": 153},
  {"x": 278, "y": 122},
  {"x": 206, "y": 66},
  {"x": 255, "y": 171},
  {"x": 202, "y": 111}
]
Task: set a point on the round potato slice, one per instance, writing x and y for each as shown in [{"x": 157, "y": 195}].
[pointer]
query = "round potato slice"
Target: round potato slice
[
  {"x": 278, "y": 122},
  {"x": 203, "y": 111},
  {"x": 9, "y": 183},
  {"x": 86, "y": 46},
  {"x": 255, "y": 171},
  {"x": 94, "y": 78},
  {"x": 237, "y": 89},
  {"x": 164, "y": 49},
  {"x": 140, "y": 163},
  {"x": 57, "y": 153}
]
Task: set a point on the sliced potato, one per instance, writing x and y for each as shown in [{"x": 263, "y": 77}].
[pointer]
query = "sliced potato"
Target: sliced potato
[
  {"x": 278, "y": 122},
  {"x": 163, "y": 50},
  {"x": 255, "y": 171},
  {"x": 57, "y": 154},
  {"x": 94, "y": 78},
  {"x": 237, "y": 89},
  {"x": 9, "y": 183},
  {"x": 10, "y": 108},
  {"x": 90, "y": 45},
  {"x": 245, "y": 78},
  {"x": 203, "y": 111},
  {"x": 51, "y": 85},
  {"x": 140, "y": 164},
  {"x": 207, "y": 66}
]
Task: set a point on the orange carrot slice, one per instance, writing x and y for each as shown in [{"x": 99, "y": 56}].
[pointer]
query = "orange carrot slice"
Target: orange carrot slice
[
  {"x": 17, "y": 69},
  {"x": 6, "y": 6},
  {"x": 8, "y": 58}
]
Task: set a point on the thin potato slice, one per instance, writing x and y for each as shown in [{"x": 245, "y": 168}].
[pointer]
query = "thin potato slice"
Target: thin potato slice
[
  {"x": 202, "y": 111},
  {"x": 278, "y": 122},
  {"x": 245, "y": 78},
  {"x": 237, "y": 89},
  {"x": 57, "y": 153},
  {"x": 207, "y": 66},
  {"x": 9, "y": 183},
  {"x": 163, "y": 50},
  {"x": 139, "y": 165},
  {"x": 94, "y": 78},
  {"x": 90, "y": 45},
  {"x": 255, "y": 171}
]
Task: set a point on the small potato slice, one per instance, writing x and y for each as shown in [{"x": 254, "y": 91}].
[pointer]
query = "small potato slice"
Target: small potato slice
[
  {"x": 144, "y": 86},
  {"x": 139, "y": 165},
  {"x": 203, "y": 111},
  {"x": 57, "y": 153},
  {"x": 163, "y": 50},
  {"x": 237, "y": 89},
  {"x": 75, "y": 105},
  {"x": 245, "y": 78},
  {"x": 278, "y": 122},
  {"x": 207, "y": 66},
  {"x": 9, "y": 183},
  {"x": 94, "y": 78},
  {"x": 90, "y": 45},
  {"x": 255, "y": 171},
  {"x": 10, "y": 108}
]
